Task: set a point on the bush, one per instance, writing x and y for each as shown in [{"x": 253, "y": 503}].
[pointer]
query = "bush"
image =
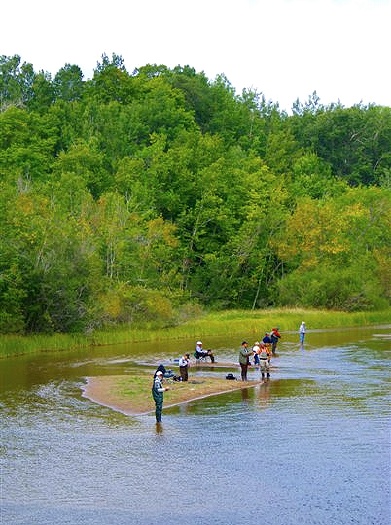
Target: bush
[
  {"x": 126, "y": 304},
  {"x": 11, "y": 323},
  {"x": 350, "y": 289}
]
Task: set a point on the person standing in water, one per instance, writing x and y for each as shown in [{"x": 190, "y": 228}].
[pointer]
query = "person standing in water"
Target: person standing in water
[
  {"x": 264, "y": 358},
  {"x": 157, "y": 394},
  {"x": 302, "y": 331},
  {"x": 274, "y": 336}
]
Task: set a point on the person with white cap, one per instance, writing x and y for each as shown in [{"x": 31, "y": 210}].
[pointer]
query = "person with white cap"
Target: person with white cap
[
  {"x": 200, "y": 352},
  {"x": 157, "y": 394},
  {"x": 256, "y": 352}
]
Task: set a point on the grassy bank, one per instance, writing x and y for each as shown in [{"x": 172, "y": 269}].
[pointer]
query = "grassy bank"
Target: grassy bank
[{"x": 212, "y": 324}]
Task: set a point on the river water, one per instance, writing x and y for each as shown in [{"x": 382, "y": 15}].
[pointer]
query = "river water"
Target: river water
[{"x": 312, "y": 446}]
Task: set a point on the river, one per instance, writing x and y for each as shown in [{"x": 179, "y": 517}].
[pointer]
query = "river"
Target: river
[{"x": 311, "y": 446}]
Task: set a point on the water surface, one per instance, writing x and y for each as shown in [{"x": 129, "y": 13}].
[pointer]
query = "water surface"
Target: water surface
[{"x": 309, "y": 447}]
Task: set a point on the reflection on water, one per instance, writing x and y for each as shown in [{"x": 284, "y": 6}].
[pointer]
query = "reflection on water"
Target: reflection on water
[{"x": 311, "y": 446}]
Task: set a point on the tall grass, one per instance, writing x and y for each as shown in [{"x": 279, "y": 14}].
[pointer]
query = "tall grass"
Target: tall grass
[{"x": 230, "y": 322}]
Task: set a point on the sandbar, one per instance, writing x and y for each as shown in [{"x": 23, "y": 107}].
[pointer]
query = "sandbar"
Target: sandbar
[{"x": 131, "y": 394}]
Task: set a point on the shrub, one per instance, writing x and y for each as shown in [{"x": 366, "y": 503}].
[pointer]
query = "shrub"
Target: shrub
[
  {"x": 126, "y": 304},
  {"x": 350, "y": 289}
]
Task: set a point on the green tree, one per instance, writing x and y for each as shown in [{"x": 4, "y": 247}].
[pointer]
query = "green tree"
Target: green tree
[
  {"x": 86, "y": 161},
  {"x": 354, "y": 141},
  {"x": 312, "y": 177},
  {"x": 16, "y": 80},
  {"x": 110, "y": 81},
  {"x": 42, "y": 93},
  {"x": 27, "y": 143},
  {"x": 68, "y": 83}
]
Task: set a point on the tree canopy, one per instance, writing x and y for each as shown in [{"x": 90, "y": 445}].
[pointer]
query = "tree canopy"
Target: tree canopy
[{"x": 136, "y": 196}]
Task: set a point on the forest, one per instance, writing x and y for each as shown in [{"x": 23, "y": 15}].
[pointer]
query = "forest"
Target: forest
[{"x": 155, "y": 194}]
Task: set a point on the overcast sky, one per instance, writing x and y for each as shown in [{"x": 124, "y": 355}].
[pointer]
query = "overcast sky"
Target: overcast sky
[{"x": 285, "y": 49}]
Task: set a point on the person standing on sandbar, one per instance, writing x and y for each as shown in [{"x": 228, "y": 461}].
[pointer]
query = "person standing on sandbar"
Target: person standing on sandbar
[
  {"x": 184, "y": 363},
  {"x": 244, "y": 359}
]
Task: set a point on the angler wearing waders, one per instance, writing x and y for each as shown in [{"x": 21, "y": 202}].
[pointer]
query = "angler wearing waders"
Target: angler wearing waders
[
  {"x": 264, "y": 358},
  {"x": 274, "y": 336},
  {"x": 157, "y": 394}
]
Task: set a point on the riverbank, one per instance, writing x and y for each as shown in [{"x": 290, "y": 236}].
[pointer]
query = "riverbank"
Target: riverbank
[
  {"x": 131, "y": 394},
  {"x": 229, "y": 322}
]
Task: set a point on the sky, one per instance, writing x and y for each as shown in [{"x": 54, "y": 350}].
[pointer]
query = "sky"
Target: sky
[{"x": 283, "y": 49}]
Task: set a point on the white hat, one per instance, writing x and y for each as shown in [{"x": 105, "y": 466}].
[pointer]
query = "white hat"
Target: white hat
[
  {"x": 159, "y": 373},
  {"x": 199, "y": 342}
]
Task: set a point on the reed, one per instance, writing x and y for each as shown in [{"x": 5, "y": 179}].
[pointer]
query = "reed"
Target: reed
[
  {"x": 27, "y": 344},
  {"x": 230, "y": 322}
]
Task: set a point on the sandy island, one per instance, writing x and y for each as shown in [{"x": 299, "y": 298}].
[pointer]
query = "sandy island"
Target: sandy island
[{"x": 131, "y": 394}]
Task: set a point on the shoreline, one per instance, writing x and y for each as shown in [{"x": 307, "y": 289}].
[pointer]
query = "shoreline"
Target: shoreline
[{"x": 229, "y": 322}]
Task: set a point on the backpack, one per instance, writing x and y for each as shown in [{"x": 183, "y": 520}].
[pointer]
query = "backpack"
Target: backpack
[{"x": 230, "y": 376}]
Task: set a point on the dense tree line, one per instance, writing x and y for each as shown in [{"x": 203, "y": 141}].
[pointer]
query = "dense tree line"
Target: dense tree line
[{"x": 146, "y": 195}]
